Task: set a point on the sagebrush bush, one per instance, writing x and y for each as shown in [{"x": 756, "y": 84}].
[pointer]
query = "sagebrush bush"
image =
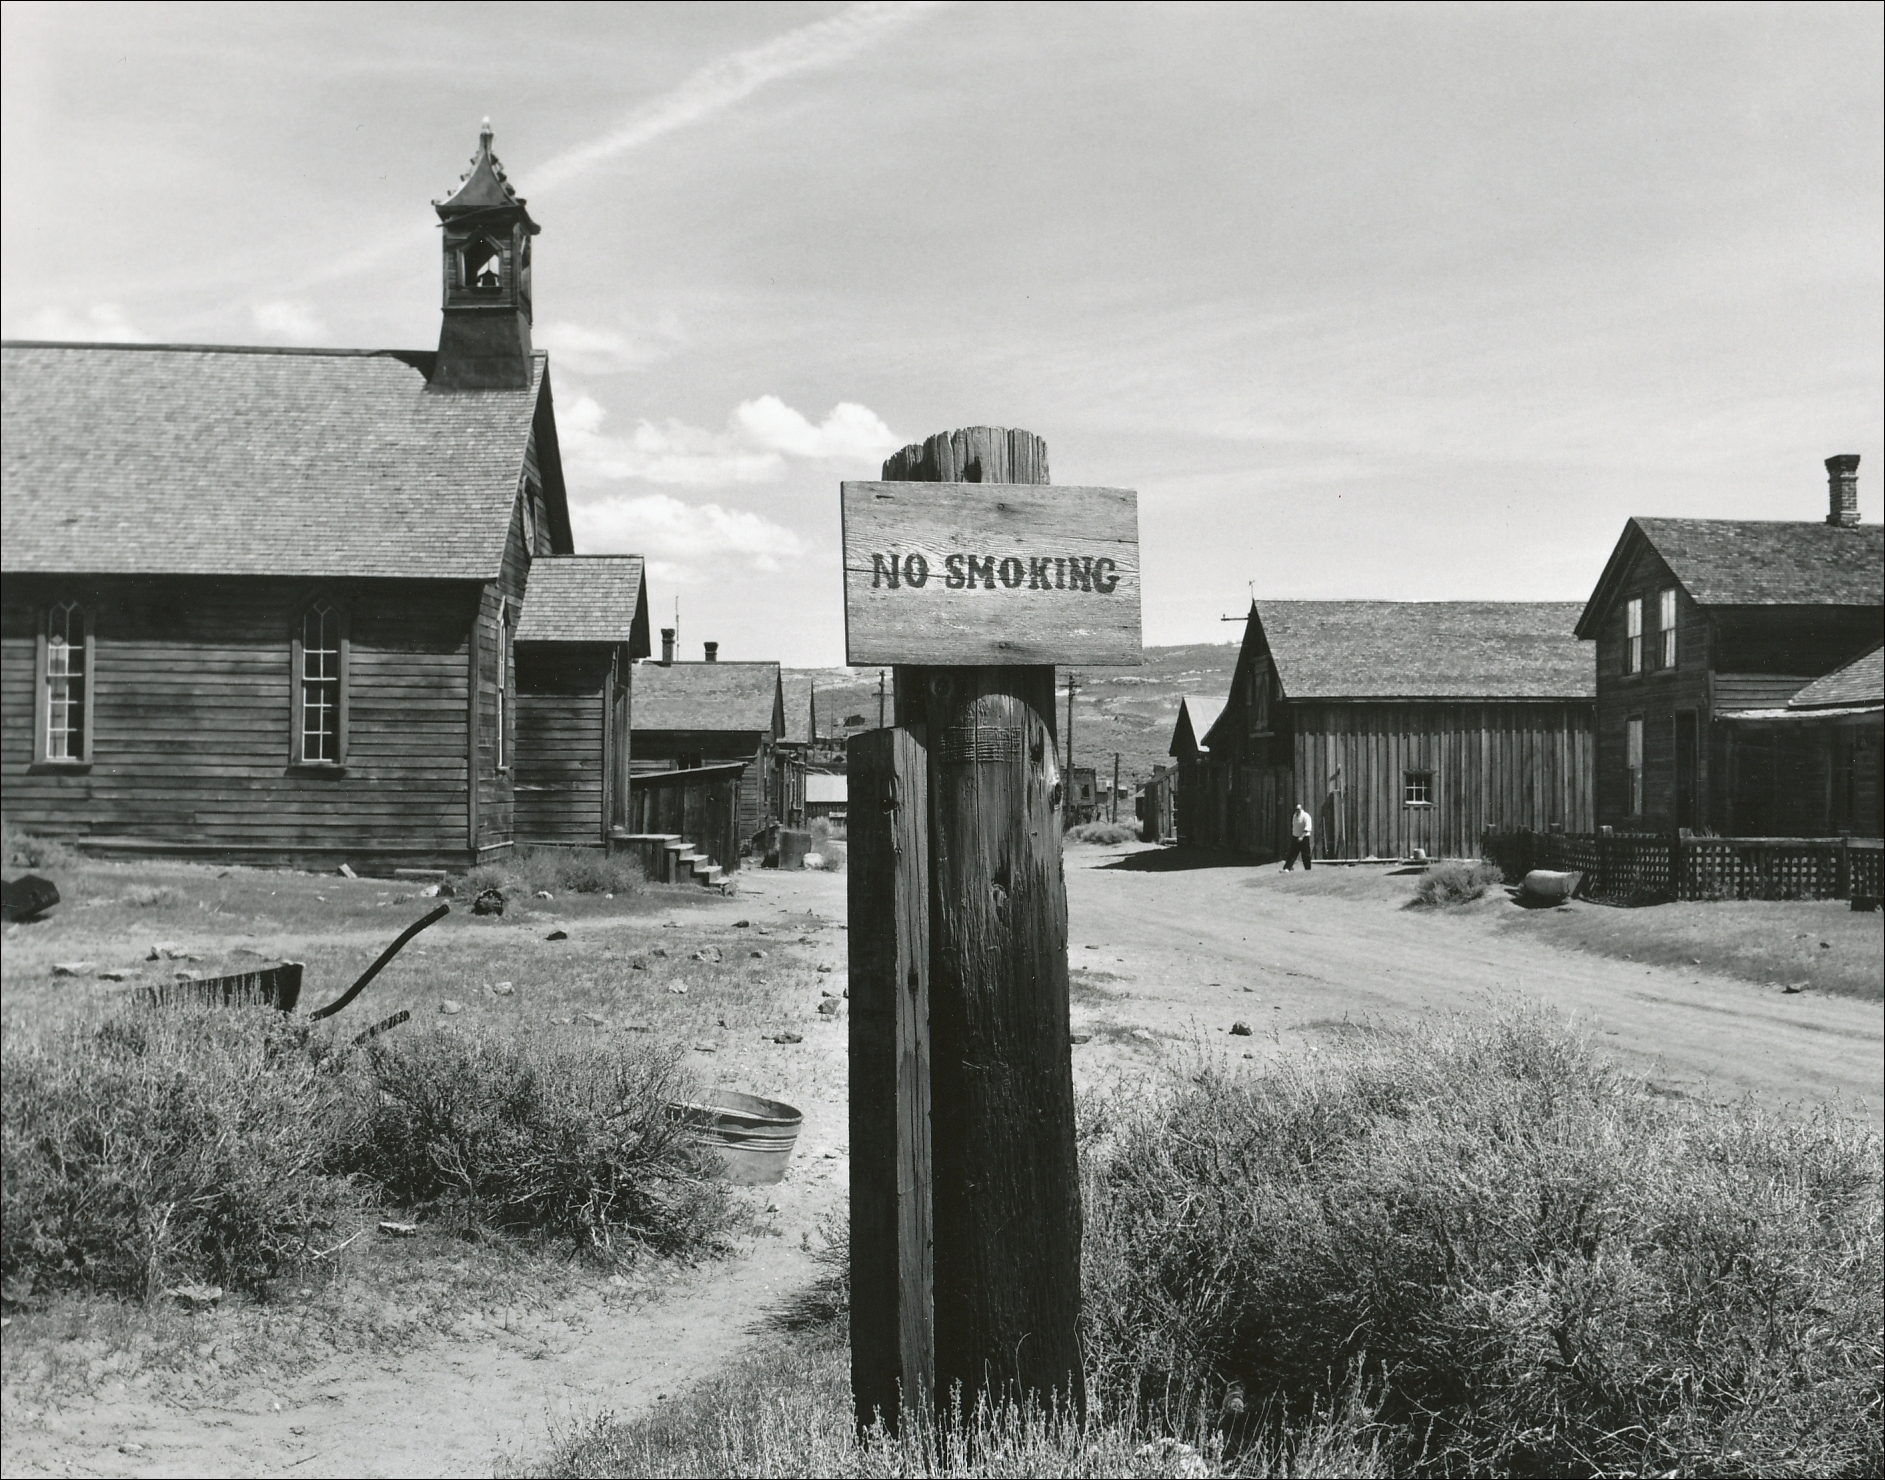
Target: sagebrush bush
[
  {"x": 1457, "y": 882},
  {"x": 1541, "y": 1268},
  {"x": 559, "y": 870},
  {"x": 24, "y": 851},
  {"x": 191, "y": 1144},
  {"x": 1104, "y": 832},
  {"x": 566, "y": 1137}
]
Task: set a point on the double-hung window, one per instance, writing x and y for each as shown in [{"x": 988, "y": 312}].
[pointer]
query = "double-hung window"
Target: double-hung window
[
  {"x": 62, "y": 720},
  {"x": 503, "y": 685},
  {"x": 1633, "y": 761},
  {"x": 320, "y": 686},
  {"x": 1666, "y": 616},
  {"x": 1633, "y": 632}
]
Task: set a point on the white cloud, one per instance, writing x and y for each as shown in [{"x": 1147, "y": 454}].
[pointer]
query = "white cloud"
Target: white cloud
[
  {"x": 103, "y": 323},
  {"x": 289, "y": 319},
  {"x": 851, "y": 431},
  {"x": 593, "y": 351},
  {"x": 678, "y": 537},
  {"x": 759, "y": 436}
]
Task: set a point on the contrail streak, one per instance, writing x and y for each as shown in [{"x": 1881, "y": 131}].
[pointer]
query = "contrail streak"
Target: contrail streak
[{"x": 712, "y": 90}]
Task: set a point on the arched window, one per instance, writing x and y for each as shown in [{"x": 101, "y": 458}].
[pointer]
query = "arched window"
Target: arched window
[
  {"x": 320, "y": 686},
  {"x": 483, "y": 266},
  {"x": 62, "y": 728}
]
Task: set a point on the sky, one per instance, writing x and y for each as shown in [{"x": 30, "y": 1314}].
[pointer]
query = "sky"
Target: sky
[{"x": 1411, "y": 303}]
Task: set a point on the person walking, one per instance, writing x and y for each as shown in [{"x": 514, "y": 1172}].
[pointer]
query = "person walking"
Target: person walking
[{"x": 1301, "y": 830}]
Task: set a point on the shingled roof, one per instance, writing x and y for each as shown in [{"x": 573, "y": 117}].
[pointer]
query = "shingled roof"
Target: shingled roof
[
  {"x": 165, "y": 459},
  {"x": 1196, "y": 714},
  {"x": 1427, "y": 649},
  {"x": 586, "y": 598},
  {"x": 741, "y": 697},
  {"x": 1859, "y": 684},
  {"x": 1752, "y": 562}
]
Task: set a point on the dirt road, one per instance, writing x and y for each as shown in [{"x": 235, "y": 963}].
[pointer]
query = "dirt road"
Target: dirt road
[
  {"x": 1170, "y": 949},
  {"x": 1165, "y": 959}
]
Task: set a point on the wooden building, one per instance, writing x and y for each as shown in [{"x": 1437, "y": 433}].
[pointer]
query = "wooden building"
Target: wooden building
[
  {"x": 1399, "y": 725},
  {"x": 712, "y": 713},
  {"x": 1705, "y": 630},
  {"x": 583, "y": 626},
  {"x": 261, "y": 603},
  {"x": 1200, "y": 804},
  {"x": 827, "y": 796},
  {"x": 1158, "y": 822}
]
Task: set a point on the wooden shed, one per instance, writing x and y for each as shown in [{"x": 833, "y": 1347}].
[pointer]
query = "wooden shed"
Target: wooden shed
[
  {"x": 1199, "y": 800},
  {"x": 584, "y": 624},
  {"x": 714, "y": 713},
  {"x": 1400, "y": 725}
]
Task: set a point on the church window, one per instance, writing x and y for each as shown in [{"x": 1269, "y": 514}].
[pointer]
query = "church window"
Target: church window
[
  {"x": 63, "y": 732},
  {"x": 483, "y": 266},
  {"x": 320, "y": 686}
]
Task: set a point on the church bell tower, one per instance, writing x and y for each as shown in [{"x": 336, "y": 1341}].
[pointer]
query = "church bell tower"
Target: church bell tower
[{"x": 484, "y": 341}]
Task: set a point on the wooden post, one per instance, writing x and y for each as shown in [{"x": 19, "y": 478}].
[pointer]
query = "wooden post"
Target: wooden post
[
  {"x": 1006, "y": 1176},
  {"x": 892, "y": 1333},
  {"x": 1115, "y": 786}
]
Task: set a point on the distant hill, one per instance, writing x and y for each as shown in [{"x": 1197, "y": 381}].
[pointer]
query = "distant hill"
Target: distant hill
[{"x": 1128, "y": 710}]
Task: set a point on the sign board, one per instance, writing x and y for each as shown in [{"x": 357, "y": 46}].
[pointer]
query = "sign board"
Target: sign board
[{"x": 978, "y": 574}]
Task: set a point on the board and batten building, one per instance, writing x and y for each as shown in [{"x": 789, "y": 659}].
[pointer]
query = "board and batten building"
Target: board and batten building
[
  {"x": 1707, "y": 634},
  {"x": 1400, "y": 725},
  {"x": 277, "y": 604}
]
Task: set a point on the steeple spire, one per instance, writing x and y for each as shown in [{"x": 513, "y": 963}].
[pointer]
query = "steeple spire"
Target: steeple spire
[{"x": 484, "y": 341}]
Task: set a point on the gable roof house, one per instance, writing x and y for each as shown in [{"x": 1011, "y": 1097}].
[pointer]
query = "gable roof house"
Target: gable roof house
[
  {"x": 715, "y": 714},
  {"x": 1399, "y": 725},
  {"x": 262, "y": 603},
  {"x": 1707, "y": 632},
  {"x": 1198, "y": 799}
]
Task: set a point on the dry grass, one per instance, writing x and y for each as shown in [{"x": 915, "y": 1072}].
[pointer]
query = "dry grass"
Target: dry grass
[
  {"x": 1456, "y": 881},
  {"x": 1109, "y": 834},
  {"x": 1537, "y": 1266}
]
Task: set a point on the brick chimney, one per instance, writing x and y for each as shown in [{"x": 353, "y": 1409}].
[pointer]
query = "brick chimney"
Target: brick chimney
[
  {"x": 667, "y": 646},
  {"x": 712, "y": 649},
  {"x": 1842, "y": 479}
]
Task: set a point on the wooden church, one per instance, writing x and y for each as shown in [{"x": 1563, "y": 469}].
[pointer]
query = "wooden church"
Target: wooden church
[{"x": 311, "y": 606}]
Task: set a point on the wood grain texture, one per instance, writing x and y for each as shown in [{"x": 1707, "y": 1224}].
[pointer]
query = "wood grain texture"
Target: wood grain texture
[
  {"x": 1005, "y": 1178},
  {"x": 990, "y": 573},
  {"x": 892, "y": 1269}
]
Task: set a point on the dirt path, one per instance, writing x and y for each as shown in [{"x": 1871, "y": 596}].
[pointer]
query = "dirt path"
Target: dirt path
[
  {"x": 498, "y": 1385},
  {"x": 1323, "y": 951},
  {"x": 1165, "y": 960}
]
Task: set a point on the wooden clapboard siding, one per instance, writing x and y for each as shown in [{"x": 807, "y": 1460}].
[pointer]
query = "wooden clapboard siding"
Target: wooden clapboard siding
[
  {"x": 562, "y": 739},
  {"x": 1494, "y": 765},
  {"x": 657, "y": 750},
  {"x": 496, "y": 821},
  {"x": 191, "y": 708}
]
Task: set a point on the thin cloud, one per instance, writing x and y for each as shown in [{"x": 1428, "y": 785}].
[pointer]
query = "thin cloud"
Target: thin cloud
[
  {"x": 731, "y": 80},
  {"x": 604, "y": 351},
  {"x": 103, "y": 323},
  {"x": 289, "y": 319},
  {"x": 704, "y": 94}
]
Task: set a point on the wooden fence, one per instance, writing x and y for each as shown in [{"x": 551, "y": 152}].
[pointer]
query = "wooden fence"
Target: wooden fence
[{"x": 1648, "y": 867}]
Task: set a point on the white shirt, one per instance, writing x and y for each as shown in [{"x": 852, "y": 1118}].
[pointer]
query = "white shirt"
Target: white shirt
[{"x": 1300, "y": 826}]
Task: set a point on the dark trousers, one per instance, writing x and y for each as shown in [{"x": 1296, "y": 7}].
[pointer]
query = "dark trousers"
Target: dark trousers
[{"x": 1297, "y": 846}]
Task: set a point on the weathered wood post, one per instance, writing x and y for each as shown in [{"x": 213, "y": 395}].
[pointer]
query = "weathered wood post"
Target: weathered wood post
[{"x": 973, "y": 593}]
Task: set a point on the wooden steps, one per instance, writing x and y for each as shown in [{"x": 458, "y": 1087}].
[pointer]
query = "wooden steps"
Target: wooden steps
[{"x": 671, "y": 859}]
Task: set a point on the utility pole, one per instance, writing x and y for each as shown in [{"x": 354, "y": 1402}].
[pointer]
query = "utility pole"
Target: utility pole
[
  {"x": 1073, "y": 682},
  {"x": 1115, "y": 786},
  {"x": 880, "y": 698}
]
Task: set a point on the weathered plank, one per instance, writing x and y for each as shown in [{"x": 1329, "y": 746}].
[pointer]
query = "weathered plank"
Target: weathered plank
[
  {"x": 892, "y": 1276},
  {"x": 990, "y": 573}
]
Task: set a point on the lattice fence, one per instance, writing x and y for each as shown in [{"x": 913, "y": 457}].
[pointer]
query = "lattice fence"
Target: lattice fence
[{"x": 1643, "y": 867}]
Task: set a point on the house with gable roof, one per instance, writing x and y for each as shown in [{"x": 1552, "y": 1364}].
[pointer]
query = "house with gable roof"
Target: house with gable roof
[
  {"x": 265, "y": 604},
  {"x": 1706, "y": 632},
  {"x": 1198, "y": 798},
  {"x": 1400, "y": 725}
]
